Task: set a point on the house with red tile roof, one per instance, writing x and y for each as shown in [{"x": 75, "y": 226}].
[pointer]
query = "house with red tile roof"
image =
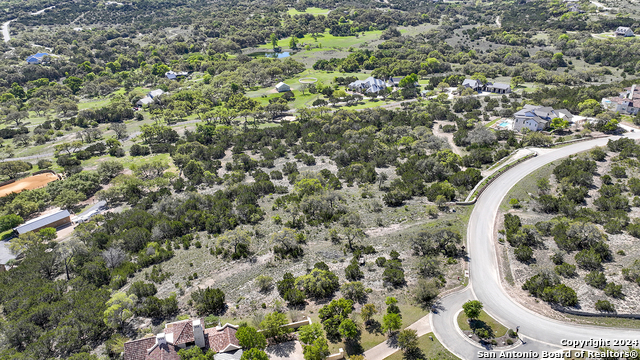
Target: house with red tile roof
[{"x": 182, "y": 335}]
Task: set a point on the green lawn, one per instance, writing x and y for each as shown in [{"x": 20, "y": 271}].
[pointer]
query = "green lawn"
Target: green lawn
[
  {"x": 431, "y": 349},
  {"x": 326, "y": 41},
  {"x": 498, "y": 329},
  {"x": 90, "y": 104},
  {"x": 374, "y": 335},
  {"x": 7, "y": 234},
  {"x": 310, "y": 10}
]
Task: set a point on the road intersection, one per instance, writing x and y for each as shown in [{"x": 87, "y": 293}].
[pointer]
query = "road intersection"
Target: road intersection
[{"x": 542, "y": 333}]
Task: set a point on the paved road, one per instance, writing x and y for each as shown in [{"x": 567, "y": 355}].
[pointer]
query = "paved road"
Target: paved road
[
  {"x": 542, "y": 333},
  {"x": 6, "y": 35}
]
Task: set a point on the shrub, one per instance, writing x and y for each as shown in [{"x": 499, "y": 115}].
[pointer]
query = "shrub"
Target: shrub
[
  {"x": 209, "y": 301},
  {"x": 613, "y": 290},
  {"x": 632, "y": 273},
  {"x": 318, "y": 284},
  {"x": 44, "y": 164},
  {"x": 588, "y": 259},
  {"x": 561, "y": 294},
  {"x": 354, "y": 291},
  {"x": 557, "y": 257},
  {"x": 566, "y": 270},
  {"x": 482, "y": 333},
  {"x": 380, "y": 261},
  {"x": 605, "y": 306},
  {"x": 276, "y": 175},
  {"x": 393, "y": 273},
  {"x": 425, "y": 292},
  {"x": 596, "y": 279},
  {"x": 523, "y": 253},
  {"x": 264, "y": 282}
]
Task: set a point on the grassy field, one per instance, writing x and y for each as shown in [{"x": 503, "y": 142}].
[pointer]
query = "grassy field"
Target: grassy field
[
  {"x": 310, "y": 10},
  {"x": 373, "y": 335},
  {"x": 431, "y": 349},
  {"x": 498, "y": 329},
  {"x": 327, "y": 41}
]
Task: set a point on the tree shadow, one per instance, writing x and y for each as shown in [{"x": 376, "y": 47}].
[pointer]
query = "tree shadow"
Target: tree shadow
[
  {"x": 353, "y": 347},
  {"x": 392, "y": 341},
  {"x": 414, "y": 354},
  {"x": 479, "y": 326},
  {"x": 284, "y": 349},
  {"x": 374, "y": 327}
]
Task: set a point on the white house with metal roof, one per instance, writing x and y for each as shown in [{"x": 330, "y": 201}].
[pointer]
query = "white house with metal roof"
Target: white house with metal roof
[
  {"x": 282, "y": 87},
  {"x": 368, "y": 85},
  {"x": 537, "y": 118},
  {"x": 150, "y": 96},
  {"x": 624, "y": 31}
]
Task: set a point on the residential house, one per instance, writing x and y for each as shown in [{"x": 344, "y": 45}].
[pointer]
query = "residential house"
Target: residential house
[
  {"x": 498, "y": 88},
  {"x": 38, "y": 58},
  {"x": 368, "y": 85},
  {"x": 476, "y": 85},
  {"x": 394, "y": 81},
  {"x": 148, "y": 99},
  {"x": 55, "y": 220},
  {"x": 282, "y": 87},
  {"x": 627, "y": 103},
  {"x": 172, "y": 75},
  {"x": 182, "y": 335},
  {"x": 624, "y": 31},
  {"x": 537, "y": 118}
]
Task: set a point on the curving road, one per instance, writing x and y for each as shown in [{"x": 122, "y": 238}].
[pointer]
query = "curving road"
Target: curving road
[
  {"x": 6, "y": 34},
  {"x": 541, "y": 333}
]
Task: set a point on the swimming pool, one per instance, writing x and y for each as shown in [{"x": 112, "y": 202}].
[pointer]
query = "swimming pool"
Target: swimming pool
[{"x": 504, "y": 124}]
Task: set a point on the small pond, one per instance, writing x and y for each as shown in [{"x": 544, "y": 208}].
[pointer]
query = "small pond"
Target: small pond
[{"x": 274, "y": 55}]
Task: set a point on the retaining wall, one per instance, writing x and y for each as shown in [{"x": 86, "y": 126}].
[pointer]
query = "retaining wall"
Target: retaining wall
[{"x": 565, "y": 310}]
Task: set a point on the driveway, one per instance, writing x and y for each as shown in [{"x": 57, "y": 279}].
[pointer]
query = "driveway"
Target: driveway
[
  {"x": 287, "y": 350},
  {"x": 541, "y": 332},
  {"x": 387, "y": 348}
]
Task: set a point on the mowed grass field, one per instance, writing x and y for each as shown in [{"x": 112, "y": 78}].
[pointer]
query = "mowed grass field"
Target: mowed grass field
[
  {"x": 311, "y": 10},
  {"x": 431, "y": 349},
  {"x": 325, "y": 41}
]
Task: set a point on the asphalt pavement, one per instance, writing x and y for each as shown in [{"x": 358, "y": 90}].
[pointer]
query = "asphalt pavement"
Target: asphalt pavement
[{"x": 542, "y": 333}]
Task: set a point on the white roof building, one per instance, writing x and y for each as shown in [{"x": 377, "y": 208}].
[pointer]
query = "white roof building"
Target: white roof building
[
  {"x": 282, "y": 87},
  {"x": 368, "y": 85}
]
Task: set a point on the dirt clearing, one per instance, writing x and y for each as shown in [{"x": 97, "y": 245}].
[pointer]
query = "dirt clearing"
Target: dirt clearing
[{"x": 30, "y": 183}]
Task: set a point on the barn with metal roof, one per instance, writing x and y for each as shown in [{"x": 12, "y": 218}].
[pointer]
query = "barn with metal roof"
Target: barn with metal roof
[{"x": 54, "y": 220}]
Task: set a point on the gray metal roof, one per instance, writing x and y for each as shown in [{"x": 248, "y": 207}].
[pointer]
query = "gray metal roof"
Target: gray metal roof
[
  {"x": 472, "y": 83},
  {"x": 500, "y": 86},
  {"x": 232, "y": 355},
  {"x": 41, "y": 221}
]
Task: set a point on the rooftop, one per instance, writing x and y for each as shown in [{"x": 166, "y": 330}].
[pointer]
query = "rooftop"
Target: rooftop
[
  {"x": 165, "y": 346},
  {"x": 41, "y": 221}
]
